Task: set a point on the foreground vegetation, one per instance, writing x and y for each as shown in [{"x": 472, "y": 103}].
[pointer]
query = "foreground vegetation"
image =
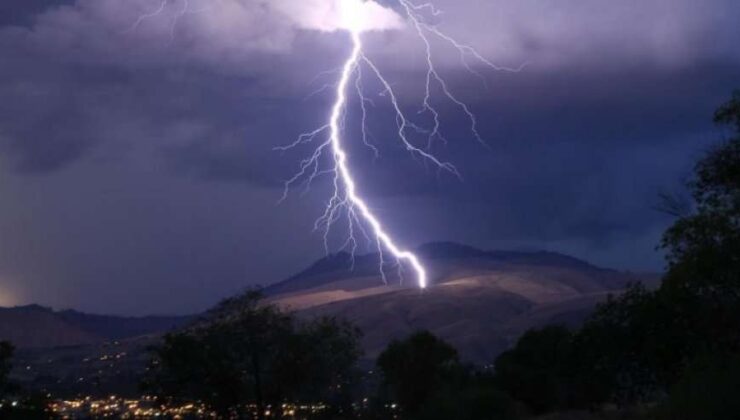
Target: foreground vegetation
[
  {"x": 245, "y": 352},
  {"x": 678, "y": 347},
  {"x": 669, "y": 353}
]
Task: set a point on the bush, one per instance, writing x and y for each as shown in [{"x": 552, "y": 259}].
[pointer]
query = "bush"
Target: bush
[
  {"x": 249, "y": 352},
  {"x": 415, "y": 367},
  {"x": 709, "y": 389}
]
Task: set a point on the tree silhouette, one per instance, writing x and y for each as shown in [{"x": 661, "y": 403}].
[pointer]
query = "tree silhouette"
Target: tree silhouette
[
  {"x": 704, "y": 247},
  {"x": 708, "y": 390},
  {"x": 642, "y": 345},
  {"x": 246, "y": 351},
  {"x": 6, "y": 354},
  {"x": 415, "y": 367},
  {"x": 536, "y": 369}
]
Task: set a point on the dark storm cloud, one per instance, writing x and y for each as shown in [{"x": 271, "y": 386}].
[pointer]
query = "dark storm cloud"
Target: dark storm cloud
[
  {"x": 23, "y": 12},
  {"x": 139, "y": 159},
  {"x": 585, "y": 158}
]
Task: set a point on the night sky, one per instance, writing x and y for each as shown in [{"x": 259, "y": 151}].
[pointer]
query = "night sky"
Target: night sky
[{"x": 137, "y": 166}]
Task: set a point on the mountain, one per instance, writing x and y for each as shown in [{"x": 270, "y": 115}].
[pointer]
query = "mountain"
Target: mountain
[
  {"x": 35, "y": 326},
  {"x": 480, "y": 301},
  {"x": 72, "y": 353},
  {"x": 437, "y": 255},
  {"x": 116, "y": 328}
]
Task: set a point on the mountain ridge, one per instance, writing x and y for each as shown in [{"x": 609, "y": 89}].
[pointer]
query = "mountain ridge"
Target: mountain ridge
[
  {"x": 480, "y": 302},
  {"x": 345, "y": 264},
  {"x": 36, "y": 326}
]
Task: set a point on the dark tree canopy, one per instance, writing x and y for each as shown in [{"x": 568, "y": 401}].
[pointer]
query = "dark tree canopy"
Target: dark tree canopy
[
  {"x": 415, "y": 367},
  {"x": 621, "y": 351},
  {"x": 535, "y": 371},
  {"x": 703, "y": 252},
  {"x": 709, "y": 389},
  {"x": 425, "y": 377},
  {"x": 646, "y": 339},
  {"x": 246, "y": 351},
  {"x": 704, "y": 247},
  {"x": 6, "y": 353},
  {"x": 644, "y": 344},
  {"x": 729, "y": 112},
  {"x": 472, "y": 400}
]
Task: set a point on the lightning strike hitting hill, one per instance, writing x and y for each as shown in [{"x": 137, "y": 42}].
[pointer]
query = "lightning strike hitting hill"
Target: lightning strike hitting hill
[
  {"x": 356, "y": 17},
  {"x": 346, "y": 200}
]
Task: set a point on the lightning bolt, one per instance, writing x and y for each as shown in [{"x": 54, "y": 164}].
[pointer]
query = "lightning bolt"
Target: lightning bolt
[
  {"x": 183, "y": 9},
  {"x": 346, "y": 200}
]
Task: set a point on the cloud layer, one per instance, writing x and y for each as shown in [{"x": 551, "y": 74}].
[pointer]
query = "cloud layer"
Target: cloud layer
[
  {"x": 137, "y": 146},
  {"x": 334, "y": 15}
]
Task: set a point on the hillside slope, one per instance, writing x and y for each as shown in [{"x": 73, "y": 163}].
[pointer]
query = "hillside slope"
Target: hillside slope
[
  {"x": 35, "y": 326},
  {"x": 480, "y": 301}
]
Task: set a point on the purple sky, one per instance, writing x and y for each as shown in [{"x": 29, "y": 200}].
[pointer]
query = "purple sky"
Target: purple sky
[{"x": 138, "y": 173}]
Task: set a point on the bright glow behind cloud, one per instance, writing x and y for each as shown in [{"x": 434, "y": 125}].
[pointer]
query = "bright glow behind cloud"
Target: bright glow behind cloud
[{"x": 333, "y": 15}]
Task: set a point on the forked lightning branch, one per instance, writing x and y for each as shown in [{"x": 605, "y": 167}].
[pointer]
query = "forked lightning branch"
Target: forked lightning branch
[{"x": 347, "y": 203}]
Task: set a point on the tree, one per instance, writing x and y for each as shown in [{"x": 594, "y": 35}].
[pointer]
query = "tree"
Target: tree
[
  {"x": 246, "y": 351},
  {"x": 472, "y": 401},
  {"x": 28, "y": 407},
  {"x": 641, "y": 342},
  {"x": 729, "y": 112},
  {"x": 703, "y": 284},
  {"x": 625, "y": 349},
  {"x": 416, "y": 367},
  {"x": 704, "y": 247},
  {"x": 535, "y": 371},
  {"x": 6, "y": 354},
  {"x": 622, "y": 354},
  {"x": 708, "y": 390},
  {"x": 641, "y": 345},
  {"x": 317, "y": 362}
]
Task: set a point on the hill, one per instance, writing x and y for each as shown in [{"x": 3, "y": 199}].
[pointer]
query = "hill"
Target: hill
[
  {"x": 480, "y": 301},
  {"x": 35, "y": 326},
  {"x": 440, "y": 257}
]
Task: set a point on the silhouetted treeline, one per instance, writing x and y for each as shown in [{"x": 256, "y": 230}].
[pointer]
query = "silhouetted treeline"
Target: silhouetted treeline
[
  {"x": 677, "y": 346},
  {"x": 425, "y": 378},
  {"x": 15, "y": 403},
  {"x": 249, "y": 353},
  {"x": 6, "y": 353}
]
